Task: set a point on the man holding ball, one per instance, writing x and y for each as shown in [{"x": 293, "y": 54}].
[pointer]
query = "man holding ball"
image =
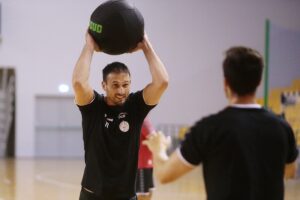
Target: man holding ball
[{"x": 112, "y": 122}]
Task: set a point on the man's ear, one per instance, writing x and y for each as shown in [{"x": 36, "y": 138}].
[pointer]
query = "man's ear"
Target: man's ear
[
  {"x": 227, "y": 88},
  {"x": 225, "y": 83},
  {"x": 103, "y": 85}
]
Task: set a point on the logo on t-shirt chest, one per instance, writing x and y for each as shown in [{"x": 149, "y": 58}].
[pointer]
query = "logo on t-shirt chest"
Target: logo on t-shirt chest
[
  {"x": 124, "y": 126},
  {"x": 120, "y": 120}
]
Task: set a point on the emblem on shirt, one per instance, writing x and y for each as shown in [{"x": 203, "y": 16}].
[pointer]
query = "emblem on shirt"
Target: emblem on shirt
[
  {"x": 107, "y": 120},
  {"x": 110, "y": 119},
  {"x": 124, "y": 126},
  {"x": 122, "y": 115}
]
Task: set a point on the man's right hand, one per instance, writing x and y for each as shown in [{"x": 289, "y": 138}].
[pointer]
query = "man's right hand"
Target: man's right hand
[
  {"x": 90, "y": 43},
  {"x": 158, "y": 143}
]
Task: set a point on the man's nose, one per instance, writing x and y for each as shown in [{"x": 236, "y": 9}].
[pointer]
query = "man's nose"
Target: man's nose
[{"x": 121, "y": 90}]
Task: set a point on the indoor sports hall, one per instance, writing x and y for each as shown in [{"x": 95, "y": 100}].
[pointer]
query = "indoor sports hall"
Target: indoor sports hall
[{"x": 42, "y": 153}]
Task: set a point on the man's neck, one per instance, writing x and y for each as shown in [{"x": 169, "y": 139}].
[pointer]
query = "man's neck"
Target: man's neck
[
  {"x": 248, "y": 99},
  {"x": 108, "y": 102}
]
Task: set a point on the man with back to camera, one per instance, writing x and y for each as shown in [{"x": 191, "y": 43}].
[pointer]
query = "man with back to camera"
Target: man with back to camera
[
  {"x": 112, "y": 122},
  {"x": 246, "y": 150}
]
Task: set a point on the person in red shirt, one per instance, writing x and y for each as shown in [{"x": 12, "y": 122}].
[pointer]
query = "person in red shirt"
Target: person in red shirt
[{"x": 144, "y": 179}]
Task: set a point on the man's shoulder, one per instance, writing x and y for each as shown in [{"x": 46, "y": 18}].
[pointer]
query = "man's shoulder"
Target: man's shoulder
[
  {"x": 215, "y": 117},
  {"x": 98, "y": 96},
  {"x": 207, "y": 121},
  {"x": 276, "y": 118},
  {"x": 135, "y": 94},
  {"x": 134, "y": 98}
]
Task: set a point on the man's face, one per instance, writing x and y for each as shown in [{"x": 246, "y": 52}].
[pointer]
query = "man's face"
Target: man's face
[{"x": 117, "y": 88}]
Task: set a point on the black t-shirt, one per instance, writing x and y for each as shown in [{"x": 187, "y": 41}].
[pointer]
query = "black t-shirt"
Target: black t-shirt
[
  {"x": 243, "y": 151},
  {"x": 111, "y": 142}
]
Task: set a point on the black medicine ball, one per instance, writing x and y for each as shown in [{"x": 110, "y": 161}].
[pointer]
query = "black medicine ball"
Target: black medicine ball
[{"x": 116, "y": 26}]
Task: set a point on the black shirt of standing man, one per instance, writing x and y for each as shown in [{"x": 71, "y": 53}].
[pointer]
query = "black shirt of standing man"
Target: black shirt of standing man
[{"x": 246, "y": 151}]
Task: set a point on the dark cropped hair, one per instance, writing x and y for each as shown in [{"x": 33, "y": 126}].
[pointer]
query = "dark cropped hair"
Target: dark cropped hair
[
  {"x": 115, "y": 67},
  {"x": 243, "y": 68}
]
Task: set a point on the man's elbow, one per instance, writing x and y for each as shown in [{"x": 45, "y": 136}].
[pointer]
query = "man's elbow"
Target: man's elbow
[
  {"x": 290, "y": 174},
  {"x": 77, "y": 84},
  {"x": 164, "y": 181},
  {"x": 164, "y": 84},
  {"x": 164, "y": 178},
  {"x": 290, "y": 171}
]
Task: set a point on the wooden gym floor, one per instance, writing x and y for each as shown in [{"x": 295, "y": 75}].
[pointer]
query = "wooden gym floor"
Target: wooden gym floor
[{"x": 55, "y": 179}]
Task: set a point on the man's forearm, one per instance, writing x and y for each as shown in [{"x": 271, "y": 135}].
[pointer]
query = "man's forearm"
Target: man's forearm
[
  {"x": 82, "y": 68},
  {"x": 159, "y": 165},
  {"x": 160, "y": 79},
  {"x": 290, "y": 170},
  {"x": 157, "y": 68}
]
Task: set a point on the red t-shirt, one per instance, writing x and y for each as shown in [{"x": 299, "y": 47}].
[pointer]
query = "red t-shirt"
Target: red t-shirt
[{"x": 145, "y": 155}]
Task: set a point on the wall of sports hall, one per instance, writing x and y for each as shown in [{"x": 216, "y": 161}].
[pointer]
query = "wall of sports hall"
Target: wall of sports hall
[{"x": 42, "y": 40}]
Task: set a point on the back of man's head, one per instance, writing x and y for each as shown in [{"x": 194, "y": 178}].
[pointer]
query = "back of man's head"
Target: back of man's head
[{"x": 242, "y": 68}]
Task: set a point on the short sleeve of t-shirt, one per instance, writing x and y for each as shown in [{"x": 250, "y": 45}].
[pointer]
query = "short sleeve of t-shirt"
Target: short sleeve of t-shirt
[
  {"x": 193, "y": 146},
  {"x": 292, "y": 148},
  {"x": 142, "y": 108},
  {"x": 87, "y": 109},
  {"x": 89, "y": 114}
]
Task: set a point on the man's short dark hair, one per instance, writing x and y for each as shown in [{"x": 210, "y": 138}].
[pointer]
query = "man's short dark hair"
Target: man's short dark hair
[
  {"x": 115, "y": 67},
  {"x": 243, "y": 69}
]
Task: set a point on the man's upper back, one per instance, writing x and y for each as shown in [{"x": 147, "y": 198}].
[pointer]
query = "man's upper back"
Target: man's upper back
[{"x": 244, "y": 151}]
